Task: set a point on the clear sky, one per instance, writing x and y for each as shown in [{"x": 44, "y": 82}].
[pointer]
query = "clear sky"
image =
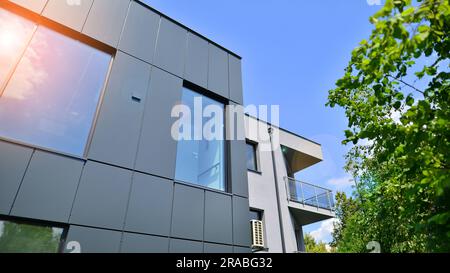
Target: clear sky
[{"x": 293, "y": 52}]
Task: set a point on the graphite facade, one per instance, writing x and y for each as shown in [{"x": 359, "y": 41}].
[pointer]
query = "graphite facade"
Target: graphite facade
[{"x": 121, "y": 195}]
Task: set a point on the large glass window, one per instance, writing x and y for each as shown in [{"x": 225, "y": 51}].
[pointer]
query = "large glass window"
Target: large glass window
[
  {"x": 26, "y": 238},
  {"x": 252, "y": 161},
  {"x": 51, "y": 98},
  {"x": 200, "y": 158},
  {"x": 15, "y": 33}
]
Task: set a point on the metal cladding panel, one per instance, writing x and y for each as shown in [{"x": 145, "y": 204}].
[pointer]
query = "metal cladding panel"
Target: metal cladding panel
[
  {"x": 171, "y": 47},
  {"x": 241, "y": 223},
  {"x": 106, "y": 19},
  {"x": 14, "y": 160},
  {"x": 235, "y": 127},
  {"x": 218, "y": 71},
  {"x": 36, "y": 5},
  {"x": 239, "y": 178},
  {"x": 157, "y": 149},
  {"x": 184, "y": 246},
  {"x": 140, "y": 32},
  {"x": 237, "y": 249},
  {"x": 216, "y": 248},
  {"x": 196, "y": 68},
  {"x": 117, "y": 130},
  {"x": 235, "y": 69},
  {"x": 92, "y": 240},
  {"x": 102, "y": 196},
  {"x": 140, "y": 243},
  {"x": 150, "y": 205},
  {"x": 71, "y": 15},
  {"x": 49, "y": 187},
  {"x": 218, "y": 218},
  {"x": 188, "y": 212}
]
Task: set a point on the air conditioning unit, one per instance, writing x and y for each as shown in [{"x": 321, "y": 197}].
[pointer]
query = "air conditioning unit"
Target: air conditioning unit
[{"x": 257, "y": 234}]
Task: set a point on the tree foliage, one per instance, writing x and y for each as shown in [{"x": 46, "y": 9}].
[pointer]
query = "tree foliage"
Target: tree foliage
[
  {"x": 396, "y": 96},
  {"x": 311, "y": 246}
]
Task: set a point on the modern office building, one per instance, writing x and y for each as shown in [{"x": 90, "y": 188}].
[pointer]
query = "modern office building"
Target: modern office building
[{"x": 88, "y": 161}]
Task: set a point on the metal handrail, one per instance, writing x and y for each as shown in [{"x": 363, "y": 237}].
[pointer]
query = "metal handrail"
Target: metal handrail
[{"x": 297, "y": 192}]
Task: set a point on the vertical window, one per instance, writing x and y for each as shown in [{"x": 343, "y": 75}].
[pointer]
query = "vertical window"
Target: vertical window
[
  {"x": 200, "y": 158},
  {"x": 27, "y": 238},
  {"x": 252, "y": 161},
  {"x": 51, "y": 98}
]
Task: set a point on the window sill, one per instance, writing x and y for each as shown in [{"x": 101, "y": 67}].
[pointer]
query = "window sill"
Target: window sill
[{"x": 253, "y": 171}]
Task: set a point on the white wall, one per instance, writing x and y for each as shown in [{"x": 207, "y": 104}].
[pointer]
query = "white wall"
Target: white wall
[{"x": 262, "y": 187}]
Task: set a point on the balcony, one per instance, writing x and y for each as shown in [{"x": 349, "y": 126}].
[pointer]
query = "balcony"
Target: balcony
[{"x": 310, "y": 195}]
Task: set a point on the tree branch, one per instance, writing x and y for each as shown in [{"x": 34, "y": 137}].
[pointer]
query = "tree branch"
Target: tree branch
[{"x": 407, "y": 84}]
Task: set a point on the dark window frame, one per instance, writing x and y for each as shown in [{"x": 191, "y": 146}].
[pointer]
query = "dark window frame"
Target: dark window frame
[{"x": 255, "y": 145}]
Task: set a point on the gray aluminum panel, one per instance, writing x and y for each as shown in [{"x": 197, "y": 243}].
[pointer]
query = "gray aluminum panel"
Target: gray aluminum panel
[
  {"x": 184, "y": 246},
  {"x": 93, "y": 240},
  {"x": 241, "y": 223},
  {"x": 49, "y": 187},
  {"x": 216, "y": 248},
  {"x": 236, "y": 92},
  {"x": 14, "y": 160},
  {"x": 157, "y": 149},
  {"x": 102, "y": 196},
  {"x": 140, "y": 243},
  {"x": 72, "y": 16},
  {"x": 150, "y": 205},
  {"x": 238, "y": 249},
  {"x": 218, "y": 218},
  {"x": 239, "y": 178},
  {"x": 218, "y": 71},
  {"x": 106, "y": 19},
  {"x": 140, "y": 32},
  {"x": 171, "y": 47},
  {"x": 119, "y": 123},
  {"x": 188, "y": 210},
  {"x": 36, "y": 5},
  {"x": 196, "y": 69}
]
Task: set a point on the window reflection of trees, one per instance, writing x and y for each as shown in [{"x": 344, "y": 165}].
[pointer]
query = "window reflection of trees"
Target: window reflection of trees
[{"x": 25, "y": 238}]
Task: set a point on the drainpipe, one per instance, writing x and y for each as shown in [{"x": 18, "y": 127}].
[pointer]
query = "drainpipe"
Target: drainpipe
[{"x": 280, "y": 219}]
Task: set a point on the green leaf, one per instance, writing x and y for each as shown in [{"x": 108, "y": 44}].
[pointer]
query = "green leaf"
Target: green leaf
[
  {"x": 409, "y": 100},
  {"x": 408, "y": 11},
  {"x": 348, "y": 133}
]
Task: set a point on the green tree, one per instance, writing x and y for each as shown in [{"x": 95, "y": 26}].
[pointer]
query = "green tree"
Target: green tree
[
  {"x": 396, "y": 96},
  {"x": 345, "y": 209},
  {"x": 312, "y": 246}
]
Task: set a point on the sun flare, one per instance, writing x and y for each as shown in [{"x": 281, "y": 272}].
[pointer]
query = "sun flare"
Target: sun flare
[{"x": 8, "y": 39}]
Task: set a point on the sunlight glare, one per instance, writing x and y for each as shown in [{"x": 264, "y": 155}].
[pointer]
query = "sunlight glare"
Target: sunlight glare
[{"x": 8, "y": 39}]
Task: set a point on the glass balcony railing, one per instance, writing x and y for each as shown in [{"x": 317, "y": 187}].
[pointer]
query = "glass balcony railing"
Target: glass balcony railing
[{"x": 309, "y": 194}]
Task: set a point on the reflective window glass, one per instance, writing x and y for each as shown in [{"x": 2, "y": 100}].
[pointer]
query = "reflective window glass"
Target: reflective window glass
[
  {"x": 15, "y": 33},
  {"x": 26, "y": 238},
  {"x": 251, "y": 157},
  {"x": 51, "y": 99},
  {"x": 201, "y": 160}
]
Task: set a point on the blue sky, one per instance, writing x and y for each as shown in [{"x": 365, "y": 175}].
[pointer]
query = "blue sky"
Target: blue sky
[{"x": 293, "y": 53}]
